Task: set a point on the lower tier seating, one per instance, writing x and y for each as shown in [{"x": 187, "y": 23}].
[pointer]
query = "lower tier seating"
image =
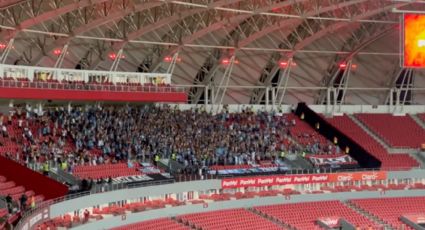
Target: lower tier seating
[
  {"x": 158, "y": 224},
  {"x": 390, "y": 210},
  {"x": 235, "y": 219},
  {"x": 304, "y": 215}
]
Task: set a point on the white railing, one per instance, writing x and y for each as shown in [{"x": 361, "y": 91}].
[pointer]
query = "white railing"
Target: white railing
[
  {"x": 89, "y": 87},
  {"x": 35, "y": 73}
]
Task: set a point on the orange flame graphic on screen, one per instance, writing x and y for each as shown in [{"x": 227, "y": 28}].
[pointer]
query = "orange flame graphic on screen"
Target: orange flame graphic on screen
[{"x": 414, "y": 40}]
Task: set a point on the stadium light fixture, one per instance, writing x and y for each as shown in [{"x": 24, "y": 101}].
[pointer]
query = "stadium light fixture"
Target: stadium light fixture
[
  {"x": 170, "y": 59},
  {"x": 57, "y": 52},
  {"x": 284, "y": 64},
  {"x": 344, "y": 65},
  {"x": 113, "y": 56},
  {"x": 226, "y": 61}
]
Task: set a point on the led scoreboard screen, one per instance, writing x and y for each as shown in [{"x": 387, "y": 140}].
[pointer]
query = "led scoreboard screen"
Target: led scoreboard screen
[{"x": 413, "y": 41}]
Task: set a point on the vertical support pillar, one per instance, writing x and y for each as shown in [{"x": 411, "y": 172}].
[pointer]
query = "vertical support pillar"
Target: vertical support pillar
[
  {"x": 61, "y": 57},
  {"x": 334, "y": 99},
  {"x": 6, "y": 51},
  {"x": 283, "y": 82},
  {"x": 224, "y": 82},
  {"x": 206, "y": 95},
  {"x": 391, "y": 99},
  {"x": 212, "y": 98},
  {"x": 267, "y": 99},
  {"x": 173, "y": 63},
  {"x": 328, "y": 100},
  {"x": 273, "y": 99},
  {"x": 116, "y": 62},
  {"x": 346, "y": 78}
]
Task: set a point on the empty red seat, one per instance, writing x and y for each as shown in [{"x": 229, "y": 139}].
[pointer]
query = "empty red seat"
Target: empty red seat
[
  {"x": 361, "y": 137},
  {"x": 157, "y": 224},
  {"x": 304, "y": 215},
  {"x": 390, "y": 210},
  {"x": 228, "y": 219},
  {"x": 396, "y": 131}
]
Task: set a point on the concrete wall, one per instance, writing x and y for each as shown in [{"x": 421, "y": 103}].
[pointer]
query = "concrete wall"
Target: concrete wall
[
  {"x": 128, "y": 194},
  {"x": 414, "y": 173},
  {"x": 244, "y": 203}
]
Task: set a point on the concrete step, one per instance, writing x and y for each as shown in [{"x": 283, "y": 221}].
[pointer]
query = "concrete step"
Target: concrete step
[
  {"x": 182, "y": 223},
  {"x": 367, "y": 215},
  {"x": 412, "y": 152},
  {"x": 379, "y": 139},
  {"x": 271, "y": 219},
  {"x": 418, "y": 120}
]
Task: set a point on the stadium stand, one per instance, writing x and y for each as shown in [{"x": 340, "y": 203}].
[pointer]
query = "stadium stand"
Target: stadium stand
[
  {"x": 351, "y": 129},
  {"x": 103, "y": 142},
  {"x": 227, "y": 219},
  {"x": 159, "y": 224},
  {"x": 421, "y": 116},
  {"x": 396, "y": 131},
  {"x": 212, "y": 114},
  {"x": 311, "y": 212},
  {"x": 390, "y": 210}
]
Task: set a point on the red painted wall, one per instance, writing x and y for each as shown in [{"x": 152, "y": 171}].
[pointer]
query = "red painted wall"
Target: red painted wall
[
  {"x": 88, "y": 95},
  {"x": 31, "y": 180}
]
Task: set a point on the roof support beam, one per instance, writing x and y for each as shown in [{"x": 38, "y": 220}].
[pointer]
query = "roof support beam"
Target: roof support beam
[
  {"x": 8, "y": 3},
  {"x": 49, "y": 15},
  {"x": 228, "y": 23},
  {"x": 96, "y": 23},
  {"x": 6, "y": 51}
]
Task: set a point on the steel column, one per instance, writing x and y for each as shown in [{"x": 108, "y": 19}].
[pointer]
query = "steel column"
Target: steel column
[{"x": 6, "y": 51}]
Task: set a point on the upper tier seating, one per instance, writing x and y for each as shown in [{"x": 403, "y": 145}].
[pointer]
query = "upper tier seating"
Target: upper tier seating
[
  {"x": 391, "y": 209},
  {"x": 304, "y": 215},
  {"x": 235, "y": 219},
  {"x": 158, "y": 224},
  {"x": 104, "y": 171},
  {"x": 397, "y": 131},
  {"x": 389, "y": 161},
  {"x": 304, "y": 134},
  {"x": 101, "y": 136}
]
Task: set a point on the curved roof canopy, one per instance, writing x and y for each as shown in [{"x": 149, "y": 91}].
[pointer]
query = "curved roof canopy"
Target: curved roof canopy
[{"x": 315, "y": 36}]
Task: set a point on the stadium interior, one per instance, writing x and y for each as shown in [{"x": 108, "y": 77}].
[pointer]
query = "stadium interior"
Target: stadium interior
[{"x": 212, "y": 114}]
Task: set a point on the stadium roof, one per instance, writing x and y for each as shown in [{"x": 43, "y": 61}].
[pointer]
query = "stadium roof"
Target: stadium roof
[{"x": 318, "y": 36}]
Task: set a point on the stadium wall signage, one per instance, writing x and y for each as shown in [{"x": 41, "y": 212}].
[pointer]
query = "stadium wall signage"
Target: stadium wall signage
[{"x": 272, "y": 180}]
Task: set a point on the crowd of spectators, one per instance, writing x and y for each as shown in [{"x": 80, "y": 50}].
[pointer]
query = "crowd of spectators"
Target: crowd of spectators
[{"x": 121, "y": 133}]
